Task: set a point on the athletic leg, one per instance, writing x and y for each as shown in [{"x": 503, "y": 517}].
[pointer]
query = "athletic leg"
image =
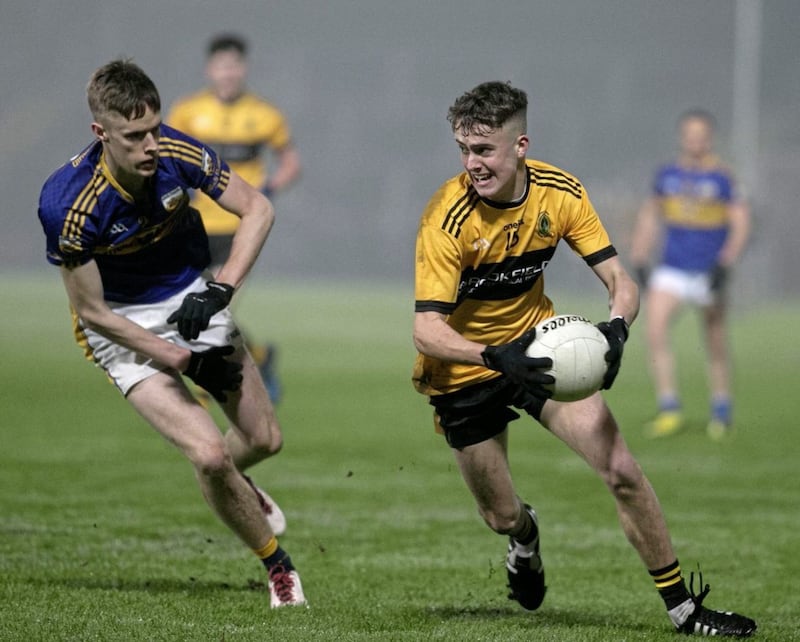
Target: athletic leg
[
  {"x": 714, "y": 323},
  {"x": 164, "y": 401},
  {"x": 484, "y": 467},
  {"x": 254, "y": 433},
  {"x": 588, "y": 428},
  {"x": 662, "y": 307}
]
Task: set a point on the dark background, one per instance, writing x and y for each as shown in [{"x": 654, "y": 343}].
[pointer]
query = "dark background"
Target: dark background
[{"x": 366, "y": 86}]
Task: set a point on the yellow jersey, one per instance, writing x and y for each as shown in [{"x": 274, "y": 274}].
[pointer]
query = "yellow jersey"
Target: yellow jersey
[
  {"x": 482, "y": 263},
  {"x": 239, "y": 132}
]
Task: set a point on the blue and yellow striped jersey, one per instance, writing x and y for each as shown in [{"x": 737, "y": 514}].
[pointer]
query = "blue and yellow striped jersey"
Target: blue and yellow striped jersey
[
  {"x": 694, "y": 208},
  {"x": 146, "y": 252},
  {"x": 482, "y": 264}
]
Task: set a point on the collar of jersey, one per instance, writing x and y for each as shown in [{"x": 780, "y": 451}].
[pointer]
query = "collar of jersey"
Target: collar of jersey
[
  {"x": 110, "y": 177},
  {"x": 510, "y": 204}
]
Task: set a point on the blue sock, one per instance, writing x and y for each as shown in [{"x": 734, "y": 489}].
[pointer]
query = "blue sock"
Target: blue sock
[
  {"x": 669, "y": 404},
  {"x": 721, "y": 409}
]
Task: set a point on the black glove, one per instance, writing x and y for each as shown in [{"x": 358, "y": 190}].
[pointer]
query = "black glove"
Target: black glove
[
  {"x": 510, "y": 359},
  {"x": 211, "y": 371},
  {"x": 717, "y": 278},
  {"x": 642, "y": 274},
  {"x": 198, "y": 308},
  {"x": 616, "y": 333}
]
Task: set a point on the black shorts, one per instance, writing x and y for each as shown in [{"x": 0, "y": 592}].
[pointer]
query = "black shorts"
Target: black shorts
[{"x": 477, "y": 413}]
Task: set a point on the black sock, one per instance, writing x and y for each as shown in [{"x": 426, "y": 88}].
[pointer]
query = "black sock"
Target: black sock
[
  {"x": 526, "y": 531},
  {"x": 278, "y": 558},
  {"x": 670, "y": 585}
]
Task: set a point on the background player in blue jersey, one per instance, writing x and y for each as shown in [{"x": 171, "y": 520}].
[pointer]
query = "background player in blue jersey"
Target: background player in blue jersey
[
  {"x": 133, "y": 256},
  {"x": 705, "y": 226}
]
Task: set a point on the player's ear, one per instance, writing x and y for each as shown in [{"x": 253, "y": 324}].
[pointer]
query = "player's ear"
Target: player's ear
[
  {"x": 100, "y": 132},
  {"x": 522, "y": 145}
]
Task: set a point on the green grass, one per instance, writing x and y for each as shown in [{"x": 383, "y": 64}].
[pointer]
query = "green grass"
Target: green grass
[{"x": 104, "y": 536}]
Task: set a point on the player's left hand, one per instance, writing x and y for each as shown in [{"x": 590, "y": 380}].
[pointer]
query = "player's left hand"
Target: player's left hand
[
  {"x": 718, "y": 278},
  {"x": 210, "y": 370},
  {"x": 198, "y": 308},
  {"x": 616, "y": 333}
]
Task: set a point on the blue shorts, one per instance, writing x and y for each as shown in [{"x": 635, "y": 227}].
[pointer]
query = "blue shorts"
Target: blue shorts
[{"x": 477, "y": 413}]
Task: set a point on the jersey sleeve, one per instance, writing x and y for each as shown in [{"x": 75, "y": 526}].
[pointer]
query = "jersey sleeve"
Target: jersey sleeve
[
  {"x": 200, "y": 166},
  {"x": 585, "y": 234},
  {"x": 438, "y": 267},
  {"x": 70, "y": 231}
]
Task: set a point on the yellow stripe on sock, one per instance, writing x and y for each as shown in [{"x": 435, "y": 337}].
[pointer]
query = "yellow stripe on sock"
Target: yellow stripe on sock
[
  {"x": 670, "y": 578},
  {"x": 267, "y": 550}
]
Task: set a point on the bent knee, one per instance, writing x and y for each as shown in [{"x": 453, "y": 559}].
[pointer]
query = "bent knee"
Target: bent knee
[
  {"x": 265, "y": 442},
  {"x": 211, "y": 460},
  {"x": 501, "y": 521},
  {"x": 625, "y": 481}
]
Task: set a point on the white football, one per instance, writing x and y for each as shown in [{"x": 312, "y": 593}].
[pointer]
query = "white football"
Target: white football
[{"x": 578, "y": 351}]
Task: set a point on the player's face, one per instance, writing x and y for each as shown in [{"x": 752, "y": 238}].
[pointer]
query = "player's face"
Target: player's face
[
  {"x": 130, "y": 146},
  {"x": 696, "y": 137},
  {"x": 226, "y": 70},
  {"x": 495, "y": 162}
]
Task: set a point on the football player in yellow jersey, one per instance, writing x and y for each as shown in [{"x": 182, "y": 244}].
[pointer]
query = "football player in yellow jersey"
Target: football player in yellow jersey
[
  {"x": 483, "y": 244},
  {"x": 706, "y": 226},
  {"x": 245, "y": 130}
]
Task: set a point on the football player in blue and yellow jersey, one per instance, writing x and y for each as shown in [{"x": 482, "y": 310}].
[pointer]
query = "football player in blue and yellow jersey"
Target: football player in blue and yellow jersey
[
  {"x": 484, "y": 243},
  {"x": 245, "y": 130},
  {"x": 704, "y": 225},
  {"x": 133, "y": 257}
]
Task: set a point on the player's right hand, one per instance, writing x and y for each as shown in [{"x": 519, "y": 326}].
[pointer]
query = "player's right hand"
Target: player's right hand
[
  {"x": 210, "y": 370},
  {"x": 511, "y": 360},
  {"x": 197, "y": 309}
]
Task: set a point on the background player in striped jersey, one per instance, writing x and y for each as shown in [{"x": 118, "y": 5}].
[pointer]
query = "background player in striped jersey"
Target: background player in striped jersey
[
  {"x": 706, "y": 226},
  {"x": 245, "y": 130},
  {"x": 483, "y": 244},
  {"x": 133, "y": 257}
]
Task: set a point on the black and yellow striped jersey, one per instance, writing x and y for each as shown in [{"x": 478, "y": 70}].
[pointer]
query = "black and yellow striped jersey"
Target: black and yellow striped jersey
[
  {"x": 482, "y": 263},
  {"x": 240, "y": 132}
]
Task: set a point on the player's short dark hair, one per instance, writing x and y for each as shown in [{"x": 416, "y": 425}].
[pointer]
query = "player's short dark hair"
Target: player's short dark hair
[
  {"x": 121, "y": 86},
  {"x": 697, "y": 113},
  {"x": 227, "y": 42},
  {"x": 488, "y": 107}
]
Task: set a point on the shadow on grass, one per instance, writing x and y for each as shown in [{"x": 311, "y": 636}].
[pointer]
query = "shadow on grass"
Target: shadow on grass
[
  {"x": 562, "y": 618},
  {"x": 153, "y": 585}
]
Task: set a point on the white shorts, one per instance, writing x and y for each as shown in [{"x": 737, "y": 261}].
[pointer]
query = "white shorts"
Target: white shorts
[
  {"x": 692, "y": 287},
  {"x": 125, "y": 367}
]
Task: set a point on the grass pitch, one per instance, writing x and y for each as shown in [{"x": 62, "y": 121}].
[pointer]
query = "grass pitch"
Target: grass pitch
[{"x": 104, "y": 536}]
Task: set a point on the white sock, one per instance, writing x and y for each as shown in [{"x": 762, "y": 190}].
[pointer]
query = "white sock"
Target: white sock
[{"x": 679, "y": 614}]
